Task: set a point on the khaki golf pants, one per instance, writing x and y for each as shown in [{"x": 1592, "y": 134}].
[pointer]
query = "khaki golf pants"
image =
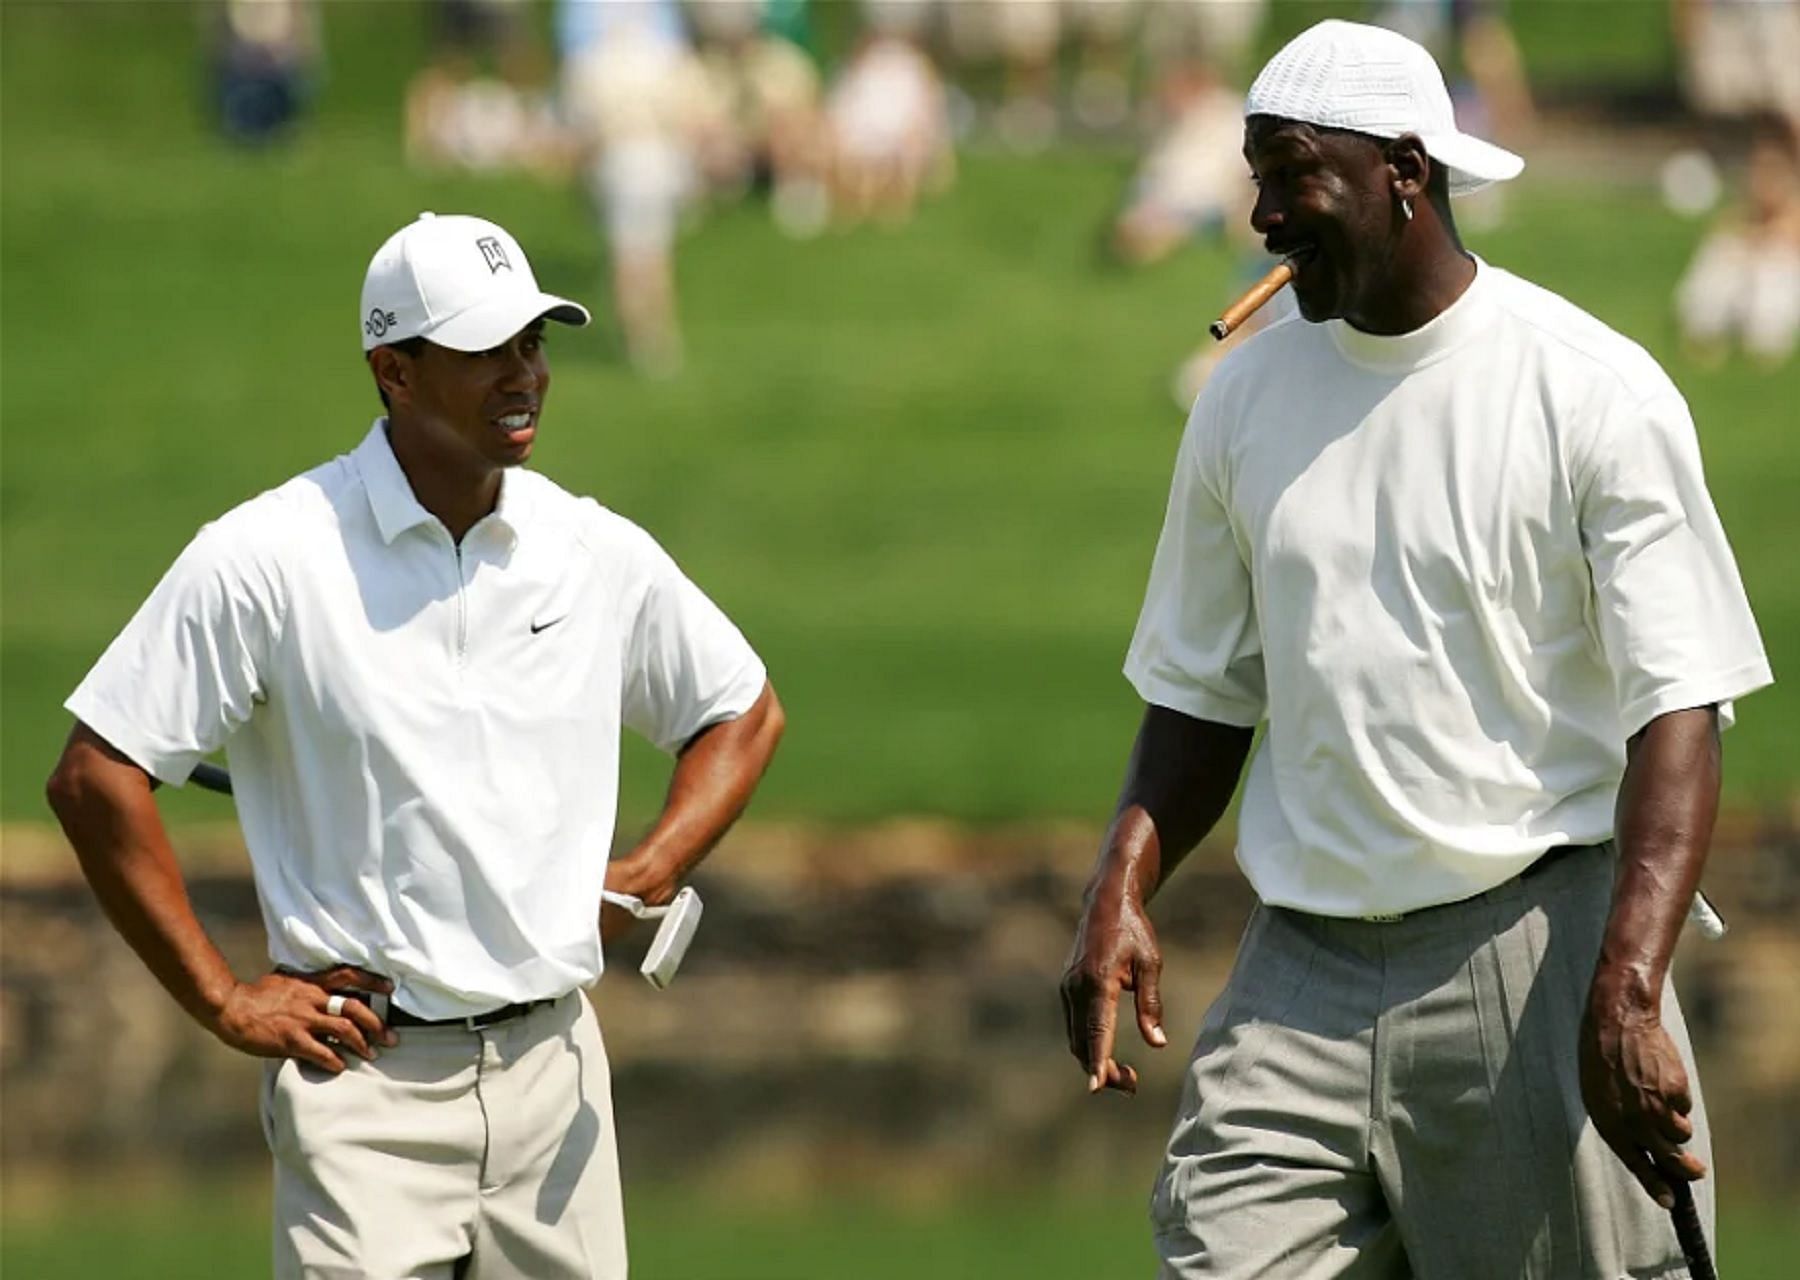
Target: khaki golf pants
[
  {"x": 473, "y": 1155},
  {"x": 1383, "y": 1100}
]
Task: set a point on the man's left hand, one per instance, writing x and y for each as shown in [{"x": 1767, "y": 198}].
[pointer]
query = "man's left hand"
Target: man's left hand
[
  {"x": 633, "y": 874},
  {"x": 1636, "y": 1090}
]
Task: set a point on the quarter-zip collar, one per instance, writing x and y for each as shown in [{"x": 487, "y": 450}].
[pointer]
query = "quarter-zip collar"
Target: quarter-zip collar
[{"x": 396, "y": 508}]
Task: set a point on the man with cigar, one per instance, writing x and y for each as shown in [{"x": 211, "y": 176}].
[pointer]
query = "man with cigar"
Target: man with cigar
[
  {"x": 420, "y": 656},
  {"x": 1448, "y": 536}
]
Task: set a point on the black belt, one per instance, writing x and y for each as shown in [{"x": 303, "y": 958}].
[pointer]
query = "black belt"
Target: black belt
[{"x": 398, "y": 1017}]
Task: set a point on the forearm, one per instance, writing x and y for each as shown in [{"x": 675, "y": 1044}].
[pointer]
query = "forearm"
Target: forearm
[
  {"x": 108, "y": 811},
  {"x": 1178, "y": 783},
  {"x": 1667, "y": 804},
  {"x": 714, "y": 778}
]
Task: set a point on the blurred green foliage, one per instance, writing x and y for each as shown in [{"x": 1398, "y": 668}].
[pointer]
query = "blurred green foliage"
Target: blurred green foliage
[{"x": 923, "y": 468}]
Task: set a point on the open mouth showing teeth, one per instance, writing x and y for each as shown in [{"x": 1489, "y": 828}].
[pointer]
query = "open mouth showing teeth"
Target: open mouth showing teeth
[{"x": 515, "y": 421}]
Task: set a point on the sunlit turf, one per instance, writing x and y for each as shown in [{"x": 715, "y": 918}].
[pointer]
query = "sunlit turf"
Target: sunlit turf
[{"x": 674, "y": 1235}]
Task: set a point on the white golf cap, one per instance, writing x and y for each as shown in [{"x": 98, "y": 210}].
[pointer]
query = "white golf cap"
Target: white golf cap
[
  {"x": 458, "y": 281},
  {"x": 1344, "y": 75}
]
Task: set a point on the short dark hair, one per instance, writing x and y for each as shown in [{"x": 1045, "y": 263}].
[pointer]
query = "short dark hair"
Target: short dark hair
[{"x": 412, "y": 347}]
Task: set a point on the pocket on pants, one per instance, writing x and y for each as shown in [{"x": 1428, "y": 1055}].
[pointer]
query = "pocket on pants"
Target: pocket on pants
[
  {"x": 283, "y": 1080},
  {"x": 265, "y": 1102}
]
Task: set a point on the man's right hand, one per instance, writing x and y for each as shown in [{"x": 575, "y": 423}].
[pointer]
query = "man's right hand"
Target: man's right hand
[
  {"x": 1178, "y": 782},
  {"x": 1115, "y": 950},
  {"x": 283, "y": 1015}
]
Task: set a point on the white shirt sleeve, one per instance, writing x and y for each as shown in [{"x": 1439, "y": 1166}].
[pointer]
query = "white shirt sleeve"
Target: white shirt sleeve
[
  {"x": 189, "y": 667},
  {"x": 686, "y": 665},
  {"x": 1197, "y": 649},
  {"x": 1669, "y": 605}
]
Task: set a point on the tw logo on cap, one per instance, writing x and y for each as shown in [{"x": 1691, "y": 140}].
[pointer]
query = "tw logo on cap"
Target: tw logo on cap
[
  {"x": 493, "y": 253},
  {"x": 378, "y": 323}
]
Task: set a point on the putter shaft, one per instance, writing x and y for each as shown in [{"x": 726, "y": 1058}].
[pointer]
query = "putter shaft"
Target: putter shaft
[{"x": 1690, "y": 1233}]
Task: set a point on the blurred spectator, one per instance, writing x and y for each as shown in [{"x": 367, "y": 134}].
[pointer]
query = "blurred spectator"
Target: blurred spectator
[
  {"x": 791, "y": 20},
  {"x": 1027, "y": 33},
  {"x": 1744, "y": 281},
  {"x": 491, "y": 35},
  {"x": 642, "y": 111},
  {"x": 888, "y": 121},
  {"x": 265, "y": 65},
  {"x": 1223, "y": 32},
  {"x": 1101, "y": 96},
  {"x": 770, "y": 93},
  {"x": 479, "y": 103},
  {"x": 1192, "y": 180},
  {"x": 1009, "y": 45},
  {"x": 1251, "y": 264},
  {"x": 1740, "y": 57}
]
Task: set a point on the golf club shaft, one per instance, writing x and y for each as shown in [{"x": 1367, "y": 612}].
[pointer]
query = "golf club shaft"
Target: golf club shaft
[{"x": 1689, "y": 1231}]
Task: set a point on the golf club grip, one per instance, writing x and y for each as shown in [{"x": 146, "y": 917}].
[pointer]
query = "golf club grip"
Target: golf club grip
[
  {"x": 211, "y": 777},
  {"x": 1690, "y": 1233}
]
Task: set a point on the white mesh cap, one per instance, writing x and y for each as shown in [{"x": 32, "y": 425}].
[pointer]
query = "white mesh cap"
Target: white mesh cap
[
  {"x": 458, "y": 281},
  {"x": 1344, "y": 75}
]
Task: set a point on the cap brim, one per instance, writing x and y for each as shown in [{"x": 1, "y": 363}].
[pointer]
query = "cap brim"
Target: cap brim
[
  {"x": 494, "y": 322},
  {"x": 1473, "y": 164}
]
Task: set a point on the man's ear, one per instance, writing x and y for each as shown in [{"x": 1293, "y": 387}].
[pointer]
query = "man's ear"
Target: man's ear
[
  {"x": 1409, "y": 166},
  {"x": 393, "y": 371}
]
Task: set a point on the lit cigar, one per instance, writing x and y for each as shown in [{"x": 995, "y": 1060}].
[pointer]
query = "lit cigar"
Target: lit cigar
[{"x": 1252, "y": 301}]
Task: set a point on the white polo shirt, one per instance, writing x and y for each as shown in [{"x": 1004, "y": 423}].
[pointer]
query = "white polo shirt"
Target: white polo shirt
[
  {"x": 1455, "y": 570},
  {"x": 424, "y": 740}
]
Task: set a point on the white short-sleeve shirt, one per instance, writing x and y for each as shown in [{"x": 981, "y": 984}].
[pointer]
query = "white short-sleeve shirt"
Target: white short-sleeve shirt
[
  {"x": 1455, "y": 569},
  {"x": 424, "y": 739}
]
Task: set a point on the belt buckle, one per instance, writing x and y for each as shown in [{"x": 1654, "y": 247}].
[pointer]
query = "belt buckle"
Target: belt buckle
[{"x": 1382, "y": 917}]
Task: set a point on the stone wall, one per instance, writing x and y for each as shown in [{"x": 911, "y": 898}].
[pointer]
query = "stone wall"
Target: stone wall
[{"x": 874, "y": 1007}]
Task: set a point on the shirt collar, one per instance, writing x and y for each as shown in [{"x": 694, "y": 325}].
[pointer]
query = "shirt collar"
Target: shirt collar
[
  {"x": 1456, "y": 324},
  {"x": 397, "y": 509}
]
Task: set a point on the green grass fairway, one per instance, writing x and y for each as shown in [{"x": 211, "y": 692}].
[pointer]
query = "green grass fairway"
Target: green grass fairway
[
  {"x": 923, "y": 468},
  {"x": 676, "y": 1237}
]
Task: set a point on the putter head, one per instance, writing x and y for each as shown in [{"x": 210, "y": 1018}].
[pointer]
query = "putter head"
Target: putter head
[{"x": 679, "y": 920}]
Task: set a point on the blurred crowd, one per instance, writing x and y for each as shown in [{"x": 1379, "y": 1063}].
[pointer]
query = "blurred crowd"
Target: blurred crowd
[
  {"x": 1741, "y": 72},
  {"x": 844, "y": 114}
]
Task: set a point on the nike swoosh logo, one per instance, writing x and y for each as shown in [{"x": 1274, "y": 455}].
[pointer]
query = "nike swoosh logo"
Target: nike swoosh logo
[{"x": 545, "y": 626}]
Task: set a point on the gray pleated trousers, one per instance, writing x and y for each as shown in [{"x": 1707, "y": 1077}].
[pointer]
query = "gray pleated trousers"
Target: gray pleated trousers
[{"x": 1395, "y": 1099}]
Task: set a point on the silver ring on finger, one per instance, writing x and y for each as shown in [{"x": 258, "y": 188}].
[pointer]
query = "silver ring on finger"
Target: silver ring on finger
[{"x": 334, "y": 1006}]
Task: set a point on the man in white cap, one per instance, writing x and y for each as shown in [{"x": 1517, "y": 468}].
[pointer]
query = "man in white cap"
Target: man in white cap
[
  {"x": 1448, "y": 537},
  {"x": 419, "y": 657}
]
